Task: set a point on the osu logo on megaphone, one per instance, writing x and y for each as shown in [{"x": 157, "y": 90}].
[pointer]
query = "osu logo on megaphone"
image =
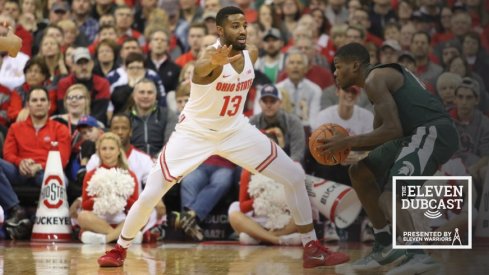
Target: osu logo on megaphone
[{"x": 52, "y": 192}]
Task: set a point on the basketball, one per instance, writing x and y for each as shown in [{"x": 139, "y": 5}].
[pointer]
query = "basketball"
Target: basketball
[{"x": 327, "y": 131}]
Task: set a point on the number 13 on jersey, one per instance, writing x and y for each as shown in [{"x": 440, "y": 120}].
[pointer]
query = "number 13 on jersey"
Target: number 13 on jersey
[{"x": 231, "y": 105}]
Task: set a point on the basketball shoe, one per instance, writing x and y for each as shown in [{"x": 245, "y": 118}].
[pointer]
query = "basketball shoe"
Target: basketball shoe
[
  {"x": 113, "y": 258},
  {"x": 379, "y": 256},
  {"x": 416, "y": 264},
  {"x": 315, "y": 254}
]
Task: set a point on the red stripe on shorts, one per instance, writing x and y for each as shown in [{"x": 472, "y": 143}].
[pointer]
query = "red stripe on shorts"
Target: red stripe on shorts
[
  {"x": 269, "y": 159},
  {"x": 181, "y": 118},
  {"x": 164, "y": 167}
]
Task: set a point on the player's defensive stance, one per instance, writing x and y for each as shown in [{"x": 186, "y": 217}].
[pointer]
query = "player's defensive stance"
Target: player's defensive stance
[{"x": 213, "y": 123}]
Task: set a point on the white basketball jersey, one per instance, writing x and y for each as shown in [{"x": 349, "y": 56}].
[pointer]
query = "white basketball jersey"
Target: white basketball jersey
[{"x": 219, "y": 105}]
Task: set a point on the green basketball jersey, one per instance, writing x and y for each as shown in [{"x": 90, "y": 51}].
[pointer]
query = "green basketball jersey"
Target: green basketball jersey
[{"x": 416, "y": 106}]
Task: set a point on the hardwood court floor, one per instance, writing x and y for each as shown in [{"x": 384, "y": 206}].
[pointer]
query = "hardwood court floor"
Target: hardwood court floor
[{"x": 168, "y": 258}]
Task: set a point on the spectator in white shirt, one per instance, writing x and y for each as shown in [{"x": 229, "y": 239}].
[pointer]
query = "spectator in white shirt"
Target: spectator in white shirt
[
  {"x": 356, "y": 120},
  {"x": 305, "y": 96}
]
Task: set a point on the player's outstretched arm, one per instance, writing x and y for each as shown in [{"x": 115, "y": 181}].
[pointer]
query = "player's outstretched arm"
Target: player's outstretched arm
[{"x": 213, "y": 60}]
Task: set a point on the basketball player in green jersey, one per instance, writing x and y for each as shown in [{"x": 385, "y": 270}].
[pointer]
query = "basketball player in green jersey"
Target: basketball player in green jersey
[{"x": 412, "y": 136}]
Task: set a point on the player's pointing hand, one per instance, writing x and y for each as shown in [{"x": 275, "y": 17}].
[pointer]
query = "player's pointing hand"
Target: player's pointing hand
[{"x": 221, "y": 56}]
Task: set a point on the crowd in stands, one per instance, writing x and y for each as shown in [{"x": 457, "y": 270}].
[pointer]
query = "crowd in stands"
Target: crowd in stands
[{"x": 99, "y": 75}]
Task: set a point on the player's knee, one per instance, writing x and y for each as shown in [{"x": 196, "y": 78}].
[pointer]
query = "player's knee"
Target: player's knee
[{"x": 148, "y": 198}]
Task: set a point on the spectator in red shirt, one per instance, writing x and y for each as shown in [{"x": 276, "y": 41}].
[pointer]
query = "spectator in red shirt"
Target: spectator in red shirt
[
  {"x": 317, "y": 74},
  {"x": 360, "y": 18},
  {"x": 443, "y": 34},
  {"x": 195, "y": 35},
  {"x": 98, "y": 86},
  {"x": 124, "y": 18},
  {"x": 106, "y": 32},
  {"x": 426, "y": 70},
  {"x": 36, "y": 74},
  {"x": 338, "y": 39},
  {"x": 26, "y": 150}
]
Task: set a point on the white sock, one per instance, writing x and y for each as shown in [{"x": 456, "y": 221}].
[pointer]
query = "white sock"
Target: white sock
[
  {"x": 90, "y": 237},
  {"x": 125, "y": 243},
  {"x": 290, "y": 239},
  {"x": 383, "y": 229},
  {"x": 247, "y": 239},
  {"x": 307, "y": 237}
]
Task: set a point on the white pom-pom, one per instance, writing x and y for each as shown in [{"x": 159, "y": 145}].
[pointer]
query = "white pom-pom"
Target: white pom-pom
[
  {"x": 269, "y": 201},
  {"x": 110, "y": 188}
]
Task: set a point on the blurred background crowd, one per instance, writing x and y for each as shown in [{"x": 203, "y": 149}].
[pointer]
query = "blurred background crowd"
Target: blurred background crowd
[{"x": 88, "y": 67}]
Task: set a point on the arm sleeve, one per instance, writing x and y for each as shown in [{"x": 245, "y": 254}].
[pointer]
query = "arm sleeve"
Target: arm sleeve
[{"x": 245, "y": 201}]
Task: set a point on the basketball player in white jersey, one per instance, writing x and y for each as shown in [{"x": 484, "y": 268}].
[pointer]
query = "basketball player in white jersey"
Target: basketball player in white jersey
[{"x": 212, "y": 122}]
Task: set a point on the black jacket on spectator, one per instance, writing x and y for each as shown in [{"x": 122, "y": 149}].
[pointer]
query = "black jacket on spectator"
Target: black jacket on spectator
[
  {"x": 97, "y": 69},
  {"x": 151, "y": 132},
  {"x": 168, "y": 72}
]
